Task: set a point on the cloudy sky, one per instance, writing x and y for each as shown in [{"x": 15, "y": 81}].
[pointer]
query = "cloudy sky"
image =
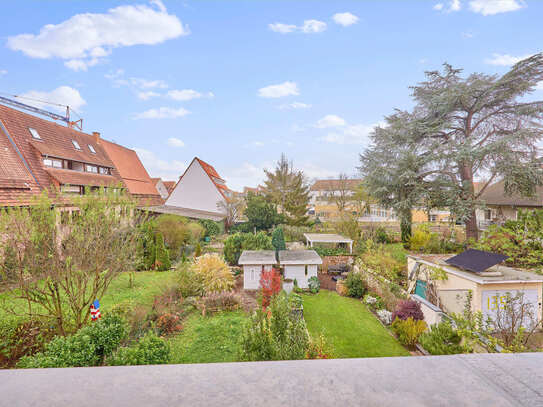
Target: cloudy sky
[{"x": 237, "y": 83}]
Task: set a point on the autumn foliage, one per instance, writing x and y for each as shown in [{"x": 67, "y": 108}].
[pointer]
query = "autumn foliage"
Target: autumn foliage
[{"x": 270, "y": 281}]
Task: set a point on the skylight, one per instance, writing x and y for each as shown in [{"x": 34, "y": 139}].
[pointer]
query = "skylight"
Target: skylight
[
  {"x": 34, "y": 133},
  {"x": 76, "y": 145},
  {"x": 91, "y": 148}
]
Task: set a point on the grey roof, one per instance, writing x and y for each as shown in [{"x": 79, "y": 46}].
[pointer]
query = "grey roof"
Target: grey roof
[
  {"x": 493, "y": 275},
  {"x": 299, "y": 257},
  {"x": 257, "y": 257},
  {"x": 495, "y": 195},
  {"x": 480, "y": 379},
  {"x": 326, "y": 238}
]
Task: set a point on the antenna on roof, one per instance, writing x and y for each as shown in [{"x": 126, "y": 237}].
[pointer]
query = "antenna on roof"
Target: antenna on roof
[{"x": 78, "y": 124}]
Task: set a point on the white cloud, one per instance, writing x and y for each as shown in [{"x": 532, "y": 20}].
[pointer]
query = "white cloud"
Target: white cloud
[
  {"x": 147, "y": 95},
  {"x": 63, "y": 95},
  {"x": 162, "y": 113},
  {"x": 345, "y": 19},
  {"x": 277, "y": 91},
  {"x": 308, "y": 27},
  {"x": 313, "y": 26},
  {"x": 330, "y": 120},
  {"x": 452, "y": 6},
  {"x": 352, "y": 134},
  {"x": 175, "y": 142},
  {"x": 491, "y": 7},
  {"x": 148, "y": 84},
  {"x": 156, "y": 167},
  {"x": 282, "y": 28},
  {"x": 188, "y": 94},
  {"x": 438, "y": 6},
  {"x": 3, "y": 72},
  {"x": 83, "y": 39},
  {"x": 294, "y": 105},
  {"x": 455, "y": 5},
  {"x": 505, "y": 59}
]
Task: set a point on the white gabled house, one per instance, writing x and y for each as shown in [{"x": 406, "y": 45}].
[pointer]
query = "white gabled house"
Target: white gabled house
[{"x": 199, "y": 191}]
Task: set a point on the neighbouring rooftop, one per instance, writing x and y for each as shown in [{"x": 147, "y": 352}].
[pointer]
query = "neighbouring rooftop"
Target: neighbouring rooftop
[
  {"x": 299, "y": 257},
  {"x": 495, "y": 274},
  {"x": 326, "y": 238},
  {"x": 187, "y": 212},
  {"x": 257, "y": 257}
]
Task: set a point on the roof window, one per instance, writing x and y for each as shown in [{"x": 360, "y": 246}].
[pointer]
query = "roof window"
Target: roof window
[
  {"x": 76, "y": 145},
  {"x": 34, "y": 133},
  {"x": 91, "y": 148}
]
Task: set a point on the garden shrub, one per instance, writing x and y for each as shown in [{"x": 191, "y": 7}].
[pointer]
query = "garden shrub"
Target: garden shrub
[
  {"x": 341, "y": 288},
  {"x": 214, "y": 273},
  {"x": 408, "y": 331},
  {"x": 355, "y": 285},
  {"x": 276, "y": 334},
  {"x": 189, "y": 282},
  {"x": 420, "y": 237},
  {"x": 168, "y": 301},
  {"x": 294, "y": 233},
  {"x": 519, "y": 239},
  {"x": 382, "y": 262},
  {"x": 381, "y": 235},
  {"x": 408, "y": 309},
  {"x": 278, "y": 239},
  {"x": 19, "y": 339},
  {"x": 314, "y": 284},
  {"x": 198, "y": 250},
  {"x": 87, "y": 347},
  {"x": 270, "y": 281},
  {"x": 225, "y": 301},
  {"x": 442, "y": 339},
  {"x": 167, "y": 324},
  {"x": 236, "y": 243},
  {"x": 331, "y": 251},
  {"x": 373, "y": 301},
  {"x": 162, "y": 256},
  {"x": 319, "y": 348},
  {"x": 150, "y": 350},
  {"x": 211, "y": 228}
]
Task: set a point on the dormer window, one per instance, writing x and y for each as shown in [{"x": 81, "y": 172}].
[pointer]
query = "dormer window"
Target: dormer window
[
  {"x": 76, "y": 145},
  {"x": 91, "y": 148},
  {"x": 34, "y": 133},
  {"x": 91, "y": 168}
]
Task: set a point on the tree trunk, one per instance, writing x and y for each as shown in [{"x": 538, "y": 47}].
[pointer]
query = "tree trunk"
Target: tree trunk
[
  {"x": 406, "y": 218},
  {"x": 472, "y": 231}
]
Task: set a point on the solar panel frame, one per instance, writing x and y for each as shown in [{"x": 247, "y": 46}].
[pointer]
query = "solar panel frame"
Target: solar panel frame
[{"x": 476, "y": 260}]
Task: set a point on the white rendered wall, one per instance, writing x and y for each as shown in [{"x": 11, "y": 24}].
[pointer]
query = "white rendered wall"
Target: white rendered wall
[
  {"x": 296, "y": 271},
  {"x": 195, "y": 190},
  {"x": 251, "y": 276}
]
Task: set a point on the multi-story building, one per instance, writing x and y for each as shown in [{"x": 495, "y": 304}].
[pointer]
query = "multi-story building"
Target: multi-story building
[{"x": 40, "y": 155}]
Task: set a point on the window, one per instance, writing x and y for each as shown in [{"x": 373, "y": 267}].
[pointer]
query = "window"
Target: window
[
  {"x": 51, "y": 162},
  {"x": 105, "y": 171},
  {"x": 91, "y": 168},
  {"x": 34, "y": 133},
  {"x": 306, "y": 270},
  {"x": 76, "y": 145},
  {"x": 91, "y": 148}
]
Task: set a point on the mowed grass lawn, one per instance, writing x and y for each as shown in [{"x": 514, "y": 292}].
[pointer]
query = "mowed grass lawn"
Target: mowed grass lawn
[
  {"x": 208, "y": 339},
  {"x": 349, "y": 326}
]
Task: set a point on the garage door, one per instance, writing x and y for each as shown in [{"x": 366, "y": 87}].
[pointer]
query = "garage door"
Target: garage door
[{"x": 497, "y": 299}]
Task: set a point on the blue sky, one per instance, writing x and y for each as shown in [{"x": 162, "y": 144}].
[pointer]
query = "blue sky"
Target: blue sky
[{"x": 237, "y": 83}]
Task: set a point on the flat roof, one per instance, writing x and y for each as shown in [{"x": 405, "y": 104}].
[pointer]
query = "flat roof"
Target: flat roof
[
  {"x": 299, "y": 257},
  {"x": 326, "y": 238},
  {"x": 506, "y": 274},
  {"x": 257, "y": 257},
  {"x": 479, "y": 379}
]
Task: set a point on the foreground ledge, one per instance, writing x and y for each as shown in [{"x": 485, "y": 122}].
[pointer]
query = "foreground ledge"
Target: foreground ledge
[{"x": 460, "y": 380}]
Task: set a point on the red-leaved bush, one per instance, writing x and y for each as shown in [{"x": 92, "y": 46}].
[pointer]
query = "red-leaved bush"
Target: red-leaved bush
[
  {"x": 270, "y": 281},
  {"x": 406, "y": 309}
]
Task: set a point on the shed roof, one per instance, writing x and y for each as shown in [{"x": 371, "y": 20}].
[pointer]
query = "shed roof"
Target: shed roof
[
  {"x": 326, "y": 238},
  {"x": 493, "y": 275},
  {"x": 299, "y": 257},
  {"x": 257, "y": 257}
]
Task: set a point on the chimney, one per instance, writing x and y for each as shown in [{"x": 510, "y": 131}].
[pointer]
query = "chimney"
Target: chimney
[{"x": 96, "y": 136}]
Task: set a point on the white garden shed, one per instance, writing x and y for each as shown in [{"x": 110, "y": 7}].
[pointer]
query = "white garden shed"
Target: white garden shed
[
  {"x": 253, "y": 263},
  {"x": 299, "y": 265}
]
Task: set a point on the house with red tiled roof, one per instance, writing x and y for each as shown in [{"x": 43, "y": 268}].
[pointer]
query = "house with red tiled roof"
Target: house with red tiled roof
[
  {"x": 170, "y": 185},
  {"x": 198, "y": 193},
  {"x": 38, "y": 155},
  {"x": 135, "y": 178}
]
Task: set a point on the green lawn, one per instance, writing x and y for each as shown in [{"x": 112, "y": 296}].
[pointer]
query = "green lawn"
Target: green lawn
[
  {"x": 350, "y": 328},
  {"x": 146, "y": 285},
  {"x": 208, "y": 339}
]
